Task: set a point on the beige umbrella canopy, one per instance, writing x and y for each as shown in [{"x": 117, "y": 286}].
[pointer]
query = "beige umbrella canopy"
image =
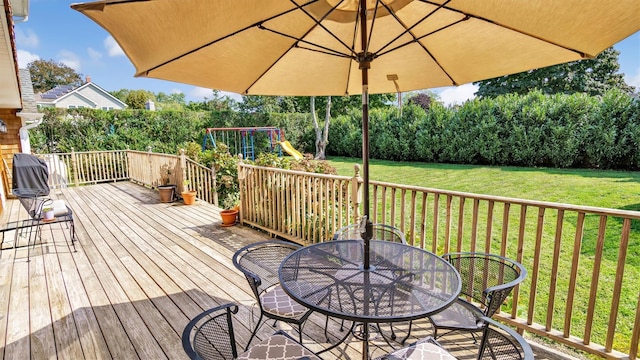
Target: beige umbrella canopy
[
  {"x": 321, "y": 47},
  {"x": 311, "y": 47}
]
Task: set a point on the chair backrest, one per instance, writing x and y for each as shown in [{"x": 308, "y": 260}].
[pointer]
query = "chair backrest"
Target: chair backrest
[
  {"x": 380, "y": 232},
  {"x": 209, "y": 336},
  {"x": 502, "y": 343},
  {"x": 259, "y": 262},
  {"x": 487, "y": 278},
  {"x": 32, "y": 201}
]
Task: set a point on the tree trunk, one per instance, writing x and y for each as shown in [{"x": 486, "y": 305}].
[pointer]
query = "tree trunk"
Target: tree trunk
[{"x": 322, "y": 135}]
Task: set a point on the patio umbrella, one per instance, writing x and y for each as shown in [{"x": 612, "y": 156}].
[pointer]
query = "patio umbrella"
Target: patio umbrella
[{"x": 326, "y": 47}]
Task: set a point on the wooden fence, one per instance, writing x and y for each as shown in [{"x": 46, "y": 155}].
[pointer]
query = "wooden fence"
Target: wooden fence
[
  {"x": 583, "y": 262},
  {"x": 146, "y": 168}
]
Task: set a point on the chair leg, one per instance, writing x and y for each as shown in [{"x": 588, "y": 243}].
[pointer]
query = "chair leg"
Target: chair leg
[
  {"x": 254, "y": 332},
  {"x": 326, "y": 325}
]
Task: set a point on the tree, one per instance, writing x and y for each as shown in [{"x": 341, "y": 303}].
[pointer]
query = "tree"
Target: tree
[
  {"x": 270, "y": 104},
  {"x": 174, "y": 101},
  {"x": 322, "y": 135},
  {"x": 593, "y": 76},
  {"x": 421, "y": 99},
  {"x": 47, "y": 74},
  {"x": 136, "y": 99}
]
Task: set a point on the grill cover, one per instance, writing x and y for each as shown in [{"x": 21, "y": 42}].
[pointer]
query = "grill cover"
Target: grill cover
[{"x": 30, "y": 172}]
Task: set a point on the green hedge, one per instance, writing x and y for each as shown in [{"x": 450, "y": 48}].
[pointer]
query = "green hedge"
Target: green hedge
[
  {"x": 164, "y": 131},
  {"x": 521, "y": 130},
  {"x": 531, "y": 130}
]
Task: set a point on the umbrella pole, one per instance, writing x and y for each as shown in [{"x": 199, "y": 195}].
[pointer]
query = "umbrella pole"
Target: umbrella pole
[{"x": 364, "y": 60}]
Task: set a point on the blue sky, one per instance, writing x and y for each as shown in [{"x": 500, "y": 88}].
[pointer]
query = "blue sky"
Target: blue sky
[{"x": 54, "y": 31}]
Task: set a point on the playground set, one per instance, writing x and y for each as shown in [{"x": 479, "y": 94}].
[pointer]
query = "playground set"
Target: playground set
[{"x": 243, "y": 140}]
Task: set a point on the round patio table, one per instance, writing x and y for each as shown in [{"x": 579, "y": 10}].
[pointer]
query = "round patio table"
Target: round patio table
[{"x": 403, "y": 282}]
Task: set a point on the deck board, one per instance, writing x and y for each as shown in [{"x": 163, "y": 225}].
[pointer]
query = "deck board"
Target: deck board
[{"x": 142, "y": 269}]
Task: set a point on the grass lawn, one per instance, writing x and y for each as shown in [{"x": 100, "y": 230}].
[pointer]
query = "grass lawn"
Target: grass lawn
[
  {"x": 599, "y": 188},
  {"x": 609, "y": 189}
]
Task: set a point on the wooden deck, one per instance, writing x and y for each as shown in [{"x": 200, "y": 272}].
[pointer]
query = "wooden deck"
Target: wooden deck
[{"x": 142, "y": 269}]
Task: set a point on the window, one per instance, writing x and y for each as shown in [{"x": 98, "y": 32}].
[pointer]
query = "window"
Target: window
[{"x": 72, "y": 106}]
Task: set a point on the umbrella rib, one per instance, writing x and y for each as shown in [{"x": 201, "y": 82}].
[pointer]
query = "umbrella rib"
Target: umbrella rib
[
  {"x": 417, "y": 41},
  {"x": 319, "y": 22},
  {"x": 407, "y": 30},
  {"x": 328, "y": 51},
  {"x": 257, "y": 24},
  {"x": 581, "y": 53}
]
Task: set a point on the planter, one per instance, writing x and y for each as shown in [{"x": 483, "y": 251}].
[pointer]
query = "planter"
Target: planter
[
  {"x": 167, "y": 193},
  {"x": 189, "y": 197},
  {"x": 47, "y": 214},
  {"x": 229, "y": 217}
]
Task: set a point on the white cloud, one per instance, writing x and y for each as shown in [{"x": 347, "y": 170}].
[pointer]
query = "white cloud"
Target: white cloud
[
  {"x": 176, "y": 91},
  {"x": 113, "y": 49},
  {"x": 633, "y": 79},
  {"x": 94, "y": 54},
  {"x": 458, "y": 94},
  {"x": 27, "y": 39},
  {"x": 70, "y": 59},
  {"x": 25, "y": 57},
  {"x": 200, "y": 93}
]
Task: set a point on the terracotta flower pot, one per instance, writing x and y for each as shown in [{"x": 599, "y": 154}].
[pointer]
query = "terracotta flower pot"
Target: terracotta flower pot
[
  {"x": 166, "y": 193},
  {"x": 229, "y": 217},
  {"x": 189, "y": 197}
]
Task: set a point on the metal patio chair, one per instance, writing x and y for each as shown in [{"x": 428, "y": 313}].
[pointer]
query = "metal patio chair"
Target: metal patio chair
[
  {"x": 210, "y": 336},
  {"x": 499, "y": 342},
  {"x": 30, "y": 185},
  {"x": 487, "y": 280},
  {"x": 259, "y": 262},
  {"x": 380, "y": 232}
]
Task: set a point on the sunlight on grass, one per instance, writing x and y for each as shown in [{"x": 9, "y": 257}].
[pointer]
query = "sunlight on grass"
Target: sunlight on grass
[{"x": 596, "y": 188}]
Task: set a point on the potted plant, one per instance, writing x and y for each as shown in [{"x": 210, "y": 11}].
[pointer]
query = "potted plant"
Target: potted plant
[
  {"x": 166, "y": 191},
  {"x": 47, "y": 214},
  {"x": 231, "y": 208},
  {"x": 188, "y": 194}
]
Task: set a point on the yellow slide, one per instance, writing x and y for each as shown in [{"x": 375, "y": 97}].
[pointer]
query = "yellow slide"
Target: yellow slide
[{"x": 286, "y": 146}]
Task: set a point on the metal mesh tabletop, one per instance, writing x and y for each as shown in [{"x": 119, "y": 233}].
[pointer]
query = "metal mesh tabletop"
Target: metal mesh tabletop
[{"x": 403, "y": 282}]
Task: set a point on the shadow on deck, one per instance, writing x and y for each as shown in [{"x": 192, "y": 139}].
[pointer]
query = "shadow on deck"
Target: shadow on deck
[{"x": 141, "y": 271}]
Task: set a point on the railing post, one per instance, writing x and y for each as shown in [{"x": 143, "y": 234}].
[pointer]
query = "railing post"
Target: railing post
[
  {"x": 74, "y": 165},
  {"x": 150, "y": 170},
  {"x": 127, "y": 158},
  {"x": 241, "y": 177},
  {"x": 356, "y": 193},
  {"x": 183, "y": 170},
  {"x": 214, "y": 185}
]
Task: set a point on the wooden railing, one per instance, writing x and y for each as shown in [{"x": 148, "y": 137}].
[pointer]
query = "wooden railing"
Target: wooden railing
[
  {"x": 583, "y": 262},
  {"x": 145, "y": 168},
  {"x": 90, "y": 167}
]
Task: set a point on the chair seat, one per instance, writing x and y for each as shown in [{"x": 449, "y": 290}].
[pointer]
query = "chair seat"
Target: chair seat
[
  {"x": 424, "y": 349},
  {"x": 278, "y": 347},
  {"x": 276, "y": 301},
  {"x": 59, "y": 208},
  {"x": 460, "y": 315}
]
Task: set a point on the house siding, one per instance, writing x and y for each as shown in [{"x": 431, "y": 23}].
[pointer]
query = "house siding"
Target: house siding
[
  {"x": 99, "y": 97},
  {"x": 9, "y": 144},
  {"x": 75, "y": 100}
]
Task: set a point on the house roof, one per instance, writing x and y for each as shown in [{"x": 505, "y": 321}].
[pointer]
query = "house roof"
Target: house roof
[{"x": 61, "y": 92}]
